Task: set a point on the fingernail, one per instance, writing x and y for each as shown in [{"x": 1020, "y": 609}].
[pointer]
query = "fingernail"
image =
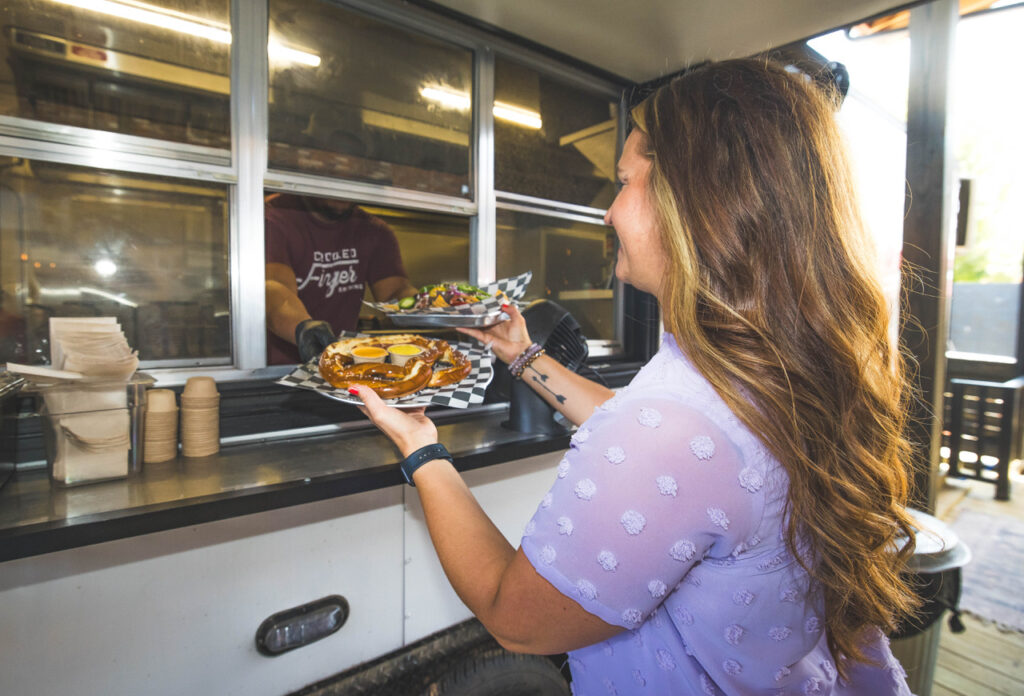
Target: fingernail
[
  {"x": 353, "y": 390},
  {"x": 504, "y": 306}
]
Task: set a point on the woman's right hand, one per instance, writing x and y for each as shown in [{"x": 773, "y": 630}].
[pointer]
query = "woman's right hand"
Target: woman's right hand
[{"x": 507, "y": 338}]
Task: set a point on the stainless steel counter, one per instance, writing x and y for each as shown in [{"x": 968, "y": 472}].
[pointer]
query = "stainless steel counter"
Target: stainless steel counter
[{"x": 37, "y": 517}]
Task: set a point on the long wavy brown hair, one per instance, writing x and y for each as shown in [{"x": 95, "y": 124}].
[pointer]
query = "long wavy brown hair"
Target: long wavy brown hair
[{"x": 772, "y": 292}]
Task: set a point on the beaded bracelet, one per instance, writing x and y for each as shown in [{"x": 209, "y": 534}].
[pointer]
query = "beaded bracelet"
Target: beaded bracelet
[
  {"x": 524, "y": 359},
  {"x": 529, "y": 361}
]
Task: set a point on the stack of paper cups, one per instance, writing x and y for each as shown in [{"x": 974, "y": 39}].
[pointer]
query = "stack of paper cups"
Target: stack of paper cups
[
  {"x": 200, "y": 417},
  {"x": 161, "y": 431}
]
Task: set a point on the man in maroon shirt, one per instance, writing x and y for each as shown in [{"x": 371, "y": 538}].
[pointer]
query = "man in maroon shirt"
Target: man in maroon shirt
[{"x": 321, "y": 254}]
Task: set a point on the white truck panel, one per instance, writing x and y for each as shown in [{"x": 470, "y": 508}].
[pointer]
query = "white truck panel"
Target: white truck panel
[
  {"x": 509, "y": 493},
  {"x": 176, "y": 612}
]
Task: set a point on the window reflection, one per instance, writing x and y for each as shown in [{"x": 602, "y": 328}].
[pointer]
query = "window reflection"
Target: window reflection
[
  {"x": 80, "y": 242},
  {"x": 551, "y": 140},
  {"x": 573, "y": 263},
  {"x": 382, "y": 105},
  {"x": 159, "y": 70}
]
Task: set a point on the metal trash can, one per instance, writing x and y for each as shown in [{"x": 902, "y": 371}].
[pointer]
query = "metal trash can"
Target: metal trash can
[{"x": 935, "y": 570}]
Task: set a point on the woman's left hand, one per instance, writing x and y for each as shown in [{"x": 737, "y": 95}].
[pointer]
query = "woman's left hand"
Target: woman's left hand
[{"x": 409, "y": 429}]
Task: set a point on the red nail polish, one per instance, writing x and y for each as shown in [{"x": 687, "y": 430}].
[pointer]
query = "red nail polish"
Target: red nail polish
[
  {"x": 504, "y": 306},
  {"x": 353, "y": 390}
]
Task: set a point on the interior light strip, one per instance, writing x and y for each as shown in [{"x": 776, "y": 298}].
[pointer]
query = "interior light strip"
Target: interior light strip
[
  {"x": 454, "y": 99},
  {"x": 163, "y": 18}
]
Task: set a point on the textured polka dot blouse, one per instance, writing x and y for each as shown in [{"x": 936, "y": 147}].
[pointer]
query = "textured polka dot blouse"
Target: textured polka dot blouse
[{"x": 666, "y": 518}]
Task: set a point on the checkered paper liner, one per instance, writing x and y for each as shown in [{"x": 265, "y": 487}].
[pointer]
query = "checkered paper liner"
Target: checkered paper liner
[
  {"x": 468, "y": 392},
  {"x": 490, "y": 308}
]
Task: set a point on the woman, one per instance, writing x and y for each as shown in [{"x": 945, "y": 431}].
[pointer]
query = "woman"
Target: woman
[{"x": 728, "y": 523}]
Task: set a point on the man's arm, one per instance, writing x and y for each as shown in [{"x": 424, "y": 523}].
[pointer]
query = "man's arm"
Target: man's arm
[
  {"x": 285, "y": 310},
  {"x": 392, "y": 288}
]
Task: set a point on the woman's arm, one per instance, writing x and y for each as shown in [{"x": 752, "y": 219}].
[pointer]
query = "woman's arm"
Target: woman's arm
[
  {"x": 572, "y": 395},
  {"x": 522, "y": 610}
]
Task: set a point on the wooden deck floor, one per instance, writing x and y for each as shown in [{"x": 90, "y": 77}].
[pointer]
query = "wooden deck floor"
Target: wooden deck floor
[{"x": 981, "y": 661}]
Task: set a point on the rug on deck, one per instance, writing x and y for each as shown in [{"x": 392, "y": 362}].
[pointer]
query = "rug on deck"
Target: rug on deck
[{"x": 993, "y": 581}]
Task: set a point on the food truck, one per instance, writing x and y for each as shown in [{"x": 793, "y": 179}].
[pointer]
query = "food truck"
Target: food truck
[{"x": 140, "y": 143}]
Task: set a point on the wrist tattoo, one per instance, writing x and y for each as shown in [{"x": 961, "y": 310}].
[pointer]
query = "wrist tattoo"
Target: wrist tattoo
[{"x": 540, "y": 378}]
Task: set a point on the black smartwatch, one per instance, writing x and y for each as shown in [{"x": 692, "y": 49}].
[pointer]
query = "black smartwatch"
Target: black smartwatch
[{"x": 420, "y": 457}]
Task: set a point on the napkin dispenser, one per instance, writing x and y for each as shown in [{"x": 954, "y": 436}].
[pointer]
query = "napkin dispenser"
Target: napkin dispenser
[{"x": 92, "y": 431}]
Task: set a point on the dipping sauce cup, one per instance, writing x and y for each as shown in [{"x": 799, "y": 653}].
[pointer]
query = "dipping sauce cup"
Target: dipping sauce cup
[
  {"x": 369, "y": 354},
  {"x": 403, "y": 352}
]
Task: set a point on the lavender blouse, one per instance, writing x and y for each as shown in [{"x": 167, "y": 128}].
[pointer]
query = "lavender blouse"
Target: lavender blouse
[{"x": 666, "y": 519}]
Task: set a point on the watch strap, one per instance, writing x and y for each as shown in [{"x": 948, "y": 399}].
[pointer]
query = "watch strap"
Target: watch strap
[{"x": 420, "y": 457}]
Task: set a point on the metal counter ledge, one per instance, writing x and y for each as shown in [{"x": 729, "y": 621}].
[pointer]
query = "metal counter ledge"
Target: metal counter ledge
[{"x": 37, "y": 517}]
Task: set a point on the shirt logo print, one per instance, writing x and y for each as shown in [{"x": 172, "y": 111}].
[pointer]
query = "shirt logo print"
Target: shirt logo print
[{"x": 331, "y": 275}]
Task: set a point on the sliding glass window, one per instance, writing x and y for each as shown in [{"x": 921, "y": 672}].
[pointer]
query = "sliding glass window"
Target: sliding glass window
[
  {"x": 357, "y": 98},
  {"x": 80, "y": 242},
  {"x": 555, "y": 145},
  {"x": 152, "y": 70},
  {"x": 573, "y": 264},
  {"x": 552, "y": 139}
]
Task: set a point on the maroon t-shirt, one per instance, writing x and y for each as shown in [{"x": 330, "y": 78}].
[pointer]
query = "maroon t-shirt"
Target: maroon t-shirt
[{"x": 333, "y": 262}]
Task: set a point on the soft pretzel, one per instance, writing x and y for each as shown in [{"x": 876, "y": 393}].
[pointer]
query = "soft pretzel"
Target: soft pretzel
[
  {"x": 459, "y": 370},
  {"x": 389, "y": 381},
  {"x": 338, "y": 368}
]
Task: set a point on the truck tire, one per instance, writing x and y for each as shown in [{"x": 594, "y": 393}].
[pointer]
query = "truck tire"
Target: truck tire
[{"x": 497, "y": 672}]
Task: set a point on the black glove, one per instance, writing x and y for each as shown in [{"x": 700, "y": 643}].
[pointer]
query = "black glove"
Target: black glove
[{"x": 311, "y": 337}]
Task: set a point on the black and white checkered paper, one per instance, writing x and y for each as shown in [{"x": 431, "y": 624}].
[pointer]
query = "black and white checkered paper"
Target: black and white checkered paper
[
  {"x": 468, "y": 392},
  {"x": 486, "y": 312}
]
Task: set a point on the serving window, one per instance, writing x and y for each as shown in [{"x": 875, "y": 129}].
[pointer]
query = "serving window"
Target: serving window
[
  {"x": 151, "y": 251},
  {"x": 430, "y": 248},
  {"x": 368, "y": 101}
]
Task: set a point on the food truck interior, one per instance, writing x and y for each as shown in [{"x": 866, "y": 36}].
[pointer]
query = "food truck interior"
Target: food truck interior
[{"x": 139, "y": 143}]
